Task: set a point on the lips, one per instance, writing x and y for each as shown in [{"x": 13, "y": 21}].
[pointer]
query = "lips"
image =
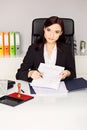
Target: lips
[{"x": 50, "y": 39}]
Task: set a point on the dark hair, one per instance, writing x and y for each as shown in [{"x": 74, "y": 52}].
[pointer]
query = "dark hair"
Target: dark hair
[
  {"x": 54, "y": 20},
  {"x": 50, "y": 21}
]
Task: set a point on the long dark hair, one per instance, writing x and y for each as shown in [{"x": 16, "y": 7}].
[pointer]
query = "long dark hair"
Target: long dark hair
[{"x": 50, "y": 21}]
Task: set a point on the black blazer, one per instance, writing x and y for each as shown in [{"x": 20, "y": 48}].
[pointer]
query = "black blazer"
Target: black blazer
[{"x": 34, "y": 57}]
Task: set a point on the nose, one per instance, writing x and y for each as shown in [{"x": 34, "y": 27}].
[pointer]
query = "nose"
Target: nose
[{"x": 51, "y": 34}]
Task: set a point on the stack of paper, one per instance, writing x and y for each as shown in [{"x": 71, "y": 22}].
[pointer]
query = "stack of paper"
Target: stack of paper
[
  {"x": 52, "y": 92},
  {"x": 51, "y": 76},
  {"x": 50, "y": 82}
]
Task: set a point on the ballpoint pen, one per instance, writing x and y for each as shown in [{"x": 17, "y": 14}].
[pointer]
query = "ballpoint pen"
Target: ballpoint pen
[{"x": 22, "y": 91}]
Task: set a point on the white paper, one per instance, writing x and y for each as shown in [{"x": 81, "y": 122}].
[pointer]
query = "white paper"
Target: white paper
[
  {"x": 3, "y": 87},
  {"x": 51, "y": 76},
  {"x": 62, "y": 90}
]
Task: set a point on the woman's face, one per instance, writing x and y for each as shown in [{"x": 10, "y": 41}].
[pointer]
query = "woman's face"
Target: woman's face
[{"x": 52, "y": 33}]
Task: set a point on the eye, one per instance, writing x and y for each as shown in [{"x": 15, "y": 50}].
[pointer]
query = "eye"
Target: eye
[
  {"x": 48, "y": 29},
  {"x": 58, "y": 31}
]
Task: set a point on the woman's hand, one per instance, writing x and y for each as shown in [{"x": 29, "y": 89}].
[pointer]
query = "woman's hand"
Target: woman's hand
[
  {"x": 34, "y": 74},
  {"x": 65, "y": 73}
]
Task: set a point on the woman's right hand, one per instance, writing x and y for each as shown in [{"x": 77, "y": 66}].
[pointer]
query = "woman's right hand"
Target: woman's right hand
[{"x": 34, "y": 74}]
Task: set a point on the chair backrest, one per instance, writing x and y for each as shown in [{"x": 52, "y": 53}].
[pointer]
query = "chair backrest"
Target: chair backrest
[{"x": 37, "y": 30}]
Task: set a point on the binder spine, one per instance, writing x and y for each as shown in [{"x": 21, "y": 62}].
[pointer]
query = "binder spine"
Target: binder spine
[
  {"x": 12, "y": 44},
  {"x": 1, "y": 44},
  {"x": 17, "y": 42},
  {"x": 6, "y": 44}
]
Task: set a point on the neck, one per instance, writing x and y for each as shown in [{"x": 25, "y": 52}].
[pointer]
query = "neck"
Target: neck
[
  {"x": 50, "y": 45},
  {"x": 49, "y": 48}
]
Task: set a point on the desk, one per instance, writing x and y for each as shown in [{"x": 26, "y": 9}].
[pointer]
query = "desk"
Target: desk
[{"x": 47, "y": 113}]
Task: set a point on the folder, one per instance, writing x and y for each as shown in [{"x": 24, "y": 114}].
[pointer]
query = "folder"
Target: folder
[
  {"x": 32, "y": 91},
  {"x": 1, "y": 44},
  {"x": 17, "y": 42},
  {"x": 6, "y": 44},
  {"x": 76, "y": 84},
  {"x": 12, "y": 44}
]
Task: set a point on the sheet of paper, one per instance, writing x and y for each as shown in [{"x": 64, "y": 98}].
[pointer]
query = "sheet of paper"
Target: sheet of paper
[
  {"x": 3, "y": 87},
  {"x": 51, "y": 76},
  {"x": 62, "y": 90}
]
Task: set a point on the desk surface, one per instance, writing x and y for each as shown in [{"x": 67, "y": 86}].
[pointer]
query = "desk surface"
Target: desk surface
[{"x": 47, "y": 113}]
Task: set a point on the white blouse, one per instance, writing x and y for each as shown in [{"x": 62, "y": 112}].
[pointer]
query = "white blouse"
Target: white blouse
[{"x": 50, "y": 59}]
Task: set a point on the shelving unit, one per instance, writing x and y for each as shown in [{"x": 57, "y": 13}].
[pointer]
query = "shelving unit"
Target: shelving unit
[
  {"x": 81, "y": 66},
  {"x": 9, "y": 66}
]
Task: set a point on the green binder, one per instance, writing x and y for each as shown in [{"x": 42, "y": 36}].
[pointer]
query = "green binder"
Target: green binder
[{"x": 12, "y": 44}]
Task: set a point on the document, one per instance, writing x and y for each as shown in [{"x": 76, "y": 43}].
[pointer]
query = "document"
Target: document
[
  {"x": 51, "y": 76},
  {"x": 62, "y": 90}
]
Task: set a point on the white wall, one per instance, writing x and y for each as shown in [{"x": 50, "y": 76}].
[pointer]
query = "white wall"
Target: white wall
[{"x": 17, "y": 15}]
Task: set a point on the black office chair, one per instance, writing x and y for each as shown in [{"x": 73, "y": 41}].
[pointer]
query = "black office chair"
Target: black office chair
[{"x": 37, "y": 30}]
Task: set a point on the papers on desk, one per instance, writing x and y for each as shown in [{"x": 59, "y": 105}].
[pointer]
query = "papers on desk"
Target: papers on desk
[
  {"x": 51, "y": 92},
  {"x": 50, "y": 83},
  {"x": 51, "y": 76}
]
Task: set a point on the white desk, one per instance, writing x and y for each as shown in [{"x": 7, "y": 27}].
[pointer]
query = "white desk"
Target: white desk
[{"x": 47, "y": 113}]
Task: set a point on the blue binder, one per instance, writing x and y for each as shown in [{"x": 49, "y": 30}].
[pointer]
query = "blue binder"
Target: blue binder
[{"x": 76, "y": 84}]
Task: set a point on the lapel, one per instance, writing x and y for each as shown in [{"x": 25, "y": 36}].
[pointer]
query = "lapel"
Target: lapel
[
  {"x": 41, "y": 55},
  {"x": 57, "y": 58}
]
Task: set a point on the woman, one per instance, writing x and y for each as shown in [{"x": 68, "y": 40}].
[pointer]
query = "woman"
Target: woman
[{"x": 48, "y": 50}]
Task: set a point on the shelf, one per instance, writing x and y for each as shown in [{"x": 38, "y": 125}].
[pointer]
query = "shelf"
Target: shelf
[
  {"x": 9, "y": 66},
  {"x": 81, "y": 66}
]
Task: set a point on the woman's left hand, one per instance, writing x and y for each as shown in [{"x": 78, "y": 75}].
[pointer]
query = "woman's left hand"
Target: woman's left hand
[{"x": 65, "y": 73}]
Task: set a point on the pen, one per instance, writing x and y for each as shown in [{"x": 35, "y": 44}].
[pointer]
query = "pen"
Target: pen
[
  {"x": 22, "y": 91},
  {"x": 41, "y": 74}
]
